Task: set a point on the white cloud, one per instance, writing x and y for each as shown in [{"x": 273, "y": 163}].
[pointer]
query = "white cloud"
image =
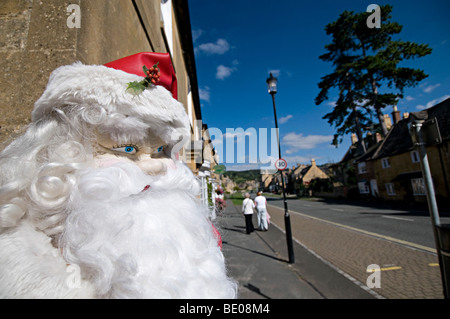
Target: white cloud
[
  {"x": 296, "y": 142},
  {"x": 220, "y": 47},
  {"x": 229, "y": 135},
  {"x": 196, "y": 33},
  {"x": 431, "y": 88},
  {"x": 239, "y": 133},
  {"x": 204, "y": 93},
  {"x": 224, "y": 71},
  {"x": 293, "y": 160},
  {"x": 284, "y": 119},
  {"x": 409, "y": 98},
  {"x": 432, "y": 102},
  {"x": 275, "y": 72}
]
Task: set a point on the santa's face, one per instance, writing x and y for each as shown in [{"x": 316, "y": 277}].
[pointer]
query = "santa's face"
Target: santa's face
[
  {"x": 128, "y": 242},
  {"x": 149, "y": 153},
  {"x": 135, "y": 227}
]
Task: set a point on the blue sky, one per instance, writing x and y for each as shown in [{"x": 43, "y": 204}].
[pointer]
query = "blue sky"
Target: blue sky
[{"x": 237, "y": 44}]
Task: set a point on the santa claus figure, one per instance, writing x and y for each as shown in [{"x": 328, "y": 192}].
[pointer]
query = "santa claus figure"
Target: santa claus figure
[{"x": 93, "y": 201}]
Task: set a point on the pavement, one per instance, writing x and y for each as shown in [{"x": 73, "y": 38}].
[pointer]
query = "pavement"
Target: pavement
[
  {"x": 259, "y": 263},
  {"x": 406, "y": 271},
  {"x": 331, "y": 261}
]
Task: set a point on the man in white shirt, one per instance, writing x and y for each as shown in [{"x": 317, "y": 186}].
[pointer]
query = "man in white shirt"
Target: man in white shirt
[
  {"x": 260, "y": 203},
  {"x": 247, "y": 210}
]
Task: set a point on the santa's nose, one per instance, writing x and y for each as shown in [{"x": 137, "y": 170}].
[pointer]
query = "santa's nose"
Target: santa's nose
[{"x": 152, "y": 166}]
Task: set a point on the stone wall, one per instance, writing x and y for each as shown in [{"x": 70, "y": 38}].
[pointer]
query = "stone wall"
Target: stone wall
[{"x": 35, "y": 38}]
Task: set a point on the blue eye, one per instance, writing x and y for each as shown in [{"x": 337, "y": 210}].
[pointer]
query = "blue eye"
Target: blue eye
[
  {"x": 126, "y": 149},
  {"x": 158, "y": 150}
]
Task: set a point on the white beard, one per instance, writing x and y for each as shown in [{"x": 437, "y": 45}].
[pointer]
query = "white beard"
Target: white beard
[{"x": 157, "y": 243}]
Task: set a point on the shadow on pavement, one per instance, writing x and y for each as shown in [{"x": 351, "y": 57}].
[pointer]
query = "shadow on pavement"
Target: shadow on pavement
[{"x": 253, "y": 251}]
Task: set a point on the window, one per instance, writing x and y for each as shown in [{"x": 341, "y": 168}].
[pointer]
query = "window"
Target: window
[
  {"x": 385, "y": 162},
  {"x": 415, "y": 157},
  {"x": 418, "y": 186},
  {"x": 166, "y": 17},
  {"x": 362, "y": 168},
  {"x": 374, "y": 187},
  {"x": 390, "y": 189},
  {"x": 363, "y": 188}
]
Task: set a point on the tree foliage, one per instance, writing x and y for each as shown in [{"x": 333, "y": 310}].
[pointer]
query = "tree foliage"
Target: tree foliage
[
  {"x": 367, "y": 71},
  {"x": 242, "y": 176}
]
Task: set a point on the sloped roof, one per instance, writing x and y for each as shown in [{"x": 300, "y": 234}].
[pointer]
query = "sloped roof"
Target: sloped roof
[
  {"x": 369, "y": 153},
  {"x": 399, "y": 139},
  {"x": 299, "y": 169},
  {"x": 313, "y": 171},
  {"x": 441, "y": 111}
]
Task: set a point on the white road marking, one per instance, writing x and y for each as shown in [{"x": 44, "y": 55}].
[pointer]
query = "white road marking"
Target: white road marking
[
  {"x": 399, "y": 241},
  {"x": 399, "y": 218}
]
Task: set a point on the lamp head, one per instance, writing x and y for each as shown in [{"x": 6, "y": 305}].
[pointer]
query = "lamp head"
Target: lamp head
[{"x": 272, "y": 84}]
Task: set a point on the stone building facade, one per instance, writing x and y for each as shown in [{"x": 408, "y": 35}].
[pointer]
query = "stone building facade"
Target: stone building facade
[{"x": 38, "y": 36}]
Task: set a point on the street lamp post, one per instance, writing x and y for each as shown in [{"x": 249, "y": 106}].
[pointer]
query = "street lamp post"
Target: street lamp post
[{"x": 272, "y": 87}]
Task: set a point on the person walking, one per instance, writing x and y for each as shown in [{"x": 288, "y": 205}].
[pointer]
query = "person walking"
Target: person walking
[
  {"x": 261, "y": 208},
  {"x": 247, "y": 209}
]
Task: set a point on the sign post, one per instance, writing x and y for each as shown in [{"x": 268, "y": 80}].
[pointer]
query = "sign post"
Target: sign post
[
  {"x": 426, "y": 132},
  {"x": 280, "y": 164}
]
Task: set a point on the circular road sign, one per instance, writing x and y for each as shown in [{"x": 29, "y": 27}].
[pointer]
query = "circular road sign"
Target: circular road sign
[{"x": 280, "y": 164}]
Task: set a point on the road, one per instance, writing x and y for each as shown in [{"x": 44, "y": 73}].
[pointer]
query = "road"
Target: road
[
  {"x": 410, "y": 226},
  {"x": 351, "y": 237}
]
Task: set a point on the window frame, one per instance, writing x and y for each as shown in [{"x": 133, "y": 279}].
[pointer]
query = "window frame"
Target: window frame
[
  {"x": 418, "y": 186},
  {"x": 390, "y": 189},
  {"x": 415, "y": 154},
  {"x": 363, "y": 188},
  {"x": 362, "y": 168}
]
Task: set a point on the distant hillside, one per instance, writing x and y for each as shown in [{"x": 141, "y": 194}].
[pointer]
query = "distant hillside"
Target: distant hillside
[{"x": 242, "y": 176}]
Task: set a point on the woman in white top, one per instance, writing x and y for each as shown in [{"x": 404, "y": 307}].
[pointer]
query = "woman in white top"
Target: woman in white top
[
  {"x": 260, "y": 203},
  {"x": 247, "y": 210}
]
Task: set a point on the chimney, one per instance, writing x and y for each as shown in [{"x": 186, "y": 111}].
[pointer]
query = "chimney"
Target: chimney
[
  {"x": 388, "y": 122},
  {"x": 313, "y": 162},
  {"x": 396, "y": 115},
  {"x": 378, "y": 137},
  {"x": 354, "y": 139}
]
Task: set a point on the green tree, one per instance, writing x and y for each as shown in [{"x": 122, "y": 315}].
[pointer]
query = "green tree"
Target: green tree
[{"x": 366, "y": 73}]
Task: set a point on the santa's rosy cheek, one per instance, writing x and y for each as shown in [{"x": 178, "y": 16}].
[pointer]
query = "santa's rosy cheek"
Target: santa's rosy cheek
[{"x": 109, "y": 160}]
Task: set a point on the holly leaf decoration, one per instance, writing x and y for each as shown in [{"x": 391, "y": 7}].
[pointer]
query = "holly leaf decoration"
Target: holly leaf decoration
[
  {"x": 151, "y": 78},
  {"x": 136, "y": 87}
]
